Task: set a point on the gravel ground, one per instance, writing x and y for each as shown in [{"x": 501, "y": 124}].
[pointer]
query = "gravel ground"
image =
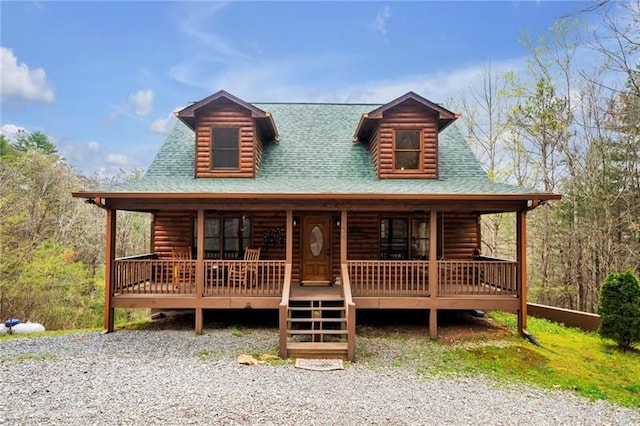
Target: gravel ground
[{"x": 176, "y": 377}]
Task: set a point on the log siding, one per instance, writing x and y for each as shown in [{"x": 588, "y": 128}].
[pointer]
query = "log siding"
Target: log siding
[
  {"x": 408, "y": 116},
  {"x": 226, "y": 114},
  {"x": 458, "y": 235}
]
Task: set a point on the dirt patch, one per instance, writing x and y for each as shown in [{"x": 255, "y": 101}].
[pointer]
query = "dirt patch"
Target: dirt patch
[
  {"x": 453, "y": 326},
  {"x": 466, "y": 327}
]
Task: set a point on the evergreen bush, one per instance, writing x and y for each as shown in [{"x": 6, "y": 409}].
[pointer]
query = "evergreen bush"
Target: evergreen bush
[{"x": 619, "y": 309}]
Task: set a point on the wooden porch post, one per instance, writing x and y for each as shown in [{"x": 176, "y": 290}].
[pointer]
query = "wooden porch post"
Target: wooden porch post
[
  {"x": 199, "y": 271},
  {"x": 343, "y": 237},
  {"x": 289, "y": 248},
  {"x": 521, "y": 248},
  {"x": 109, "y": 270},
  {"x": 433, "y": 273}
]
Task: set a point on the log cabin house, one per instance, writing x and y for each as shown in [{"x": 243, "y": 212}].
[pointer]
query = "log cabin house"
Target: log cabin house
[{"x": 315, "y": 211}]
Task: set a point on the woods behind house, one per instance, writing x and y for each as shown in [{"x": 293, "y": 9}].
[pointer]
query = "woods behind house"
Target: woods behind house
[{"x": 568, "y": 123}]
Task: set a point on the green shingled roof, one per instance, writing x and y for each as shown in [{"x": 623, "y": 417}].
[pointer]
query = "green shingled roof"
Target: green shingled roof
[{"x": 316, "y": 154}]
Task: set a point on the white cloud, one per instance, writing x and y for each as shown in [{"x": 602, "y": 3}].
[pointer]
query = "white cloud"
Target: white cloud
[
  {"x": 20, "y": 82},
  {"x": 108, "y": 119},
  {"x": 92, "y": 159},
  {"x": 93, "y": 146},
  {"x": 118, "y": 159},
  {"x": 295, "y": 78},
  {"x": 163, "y": 125},
  {"x": 437, "y": 86},
  {"x": 286, "y": 81},
  {"x": 196, "y": 21},
  {"x": 142, "y": 102},
  {"x": 379, "y": 24},
  {"x": 11, "y": 130}
]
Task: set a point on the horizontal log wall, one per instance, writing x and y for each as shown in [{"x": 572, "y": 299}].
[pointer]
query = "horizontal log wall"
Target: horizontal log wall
[
  {"x": 374, "y": 146},
  {"x": 409, "y": 115},
  {"x": 459, "y": 235},
  {"x": 264, "y": 223},
  {"x": 363, "y": 236},
  {"x": 259, "y": 150},
  {"x": 225, "y": 114},
  {"x": 172, "y": 229}
]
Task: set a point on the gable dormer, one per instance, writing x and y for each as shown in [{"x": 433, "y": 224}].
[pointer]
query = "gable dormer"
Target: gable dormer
[
  {"x": 403, "y": 136},
  {"x": 229, "y": 135}
]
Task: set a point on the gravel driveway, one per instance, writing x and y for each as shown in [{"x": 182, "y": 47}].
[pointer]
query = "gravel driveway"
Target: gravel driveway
[{"x": 175, "y": 377}]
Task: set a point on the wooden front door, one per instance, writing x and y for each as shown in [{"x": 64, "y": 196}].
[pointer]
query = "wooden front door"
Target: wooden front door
[{"x": 316, "y": 248}]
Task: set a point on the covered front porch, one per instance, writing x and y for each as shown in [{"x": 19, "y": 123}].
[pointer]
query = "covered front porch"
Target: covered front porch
[{"x": 155, "y": 280}]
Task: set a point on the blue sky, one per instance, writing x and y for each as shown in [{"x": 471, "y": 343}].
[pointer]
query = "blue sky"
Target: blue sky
[{"x": 102, "y": 79}]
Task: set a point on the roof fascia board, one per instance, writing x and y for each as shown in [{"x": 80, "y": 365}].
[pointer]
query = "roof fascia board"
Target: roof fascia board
[
  {"x": 443, "y": 113},
  {"x": 187, "y": 115},
  {"x": 191, "y": 109},
  {"x": 315, "y": 196},
  {"x": 445, "y": 117}
]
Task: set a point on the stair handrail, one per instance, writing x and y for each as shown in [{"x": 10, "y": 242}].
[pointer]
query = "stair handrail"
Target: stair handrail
[
  {"x": 283, "y": 307},
  {"x": 350, "y": 311}
]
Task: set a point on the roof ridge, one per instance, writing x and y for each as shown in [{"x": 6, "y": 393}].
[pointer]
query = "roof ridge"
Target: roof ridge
[{"x": 317, "y": 103}]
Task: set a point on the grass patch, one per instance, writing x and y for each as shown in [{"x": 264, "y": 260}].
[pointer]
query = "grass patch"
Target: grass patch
[
  {"x": 236, "y": 331},
  {"x": 48, "y": 333},
  {"x": 569, "y": 359},
  {"x": 206, "y": 355},
  {"x": 29, "y": 356}
]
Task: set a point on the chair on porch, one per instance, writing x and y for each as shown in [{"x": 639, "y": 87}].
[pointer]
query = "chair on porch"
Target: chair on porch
[
  {"x": 181, "y": 272},
  {"x": 245, "y": 273}
]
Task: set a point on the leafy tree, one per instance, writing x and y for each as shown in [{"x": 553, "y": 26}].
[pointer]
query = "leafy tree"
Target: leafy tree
[
  {"x": 484, "y": 113},
  {"x": 620, "y": 309},
  {"x": 34, "y": 141},
  {"x": 6, "y": 150},
  {"x": 55, "y": 290}
]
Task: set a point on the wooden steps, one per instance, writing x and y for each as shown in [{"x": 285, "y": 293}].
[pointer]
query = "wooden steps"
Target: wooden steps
[
  {"x": 317, "y": 350},
  {"x": 316, "y": 326}
]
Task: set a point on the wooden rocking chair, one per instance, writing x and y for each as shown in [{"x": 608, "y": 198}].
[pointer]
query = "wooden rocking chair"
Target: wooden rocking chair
[
  {"x": 245, "y": 273},
  {"x": 182, "y": 272}
]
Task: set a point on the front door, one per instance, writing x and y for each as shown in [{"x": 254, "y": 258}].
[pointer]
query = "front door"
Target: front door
[{"x": 316, "y": 249}]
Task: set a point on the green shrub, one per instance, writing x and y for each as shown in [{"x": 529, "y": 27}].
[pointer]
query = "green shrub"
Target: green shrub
[{"x": 619, "y": 309}]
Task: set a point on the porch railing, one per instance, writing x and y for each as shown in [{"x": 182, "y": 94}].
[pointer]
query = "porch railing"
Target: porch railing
[
  {"x": 482, "y": 277},
  {"x": 493, "y": 277},
  {"x": 389, "y": 278},
  {"x": 148, "y": 275},
  {"x": 152, "y": 276},
  {"x": 263, "y": 278}
]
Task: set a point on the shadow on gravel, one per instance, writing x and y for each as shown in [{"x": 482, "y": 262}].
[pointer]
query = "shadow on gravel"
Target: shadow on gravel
[
  {"x": 453, "y": 326},
  {"x": 214, "y": 319}
]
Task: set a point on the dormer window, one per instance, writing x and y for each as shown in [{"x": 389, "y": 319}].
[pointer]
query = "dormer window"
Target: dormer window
[
  {"x": 229, "y": 134},
  {"x": 402, "y": 136},
  {"x": 407, "y": 150},
  {"x": 225, "y": 148}
]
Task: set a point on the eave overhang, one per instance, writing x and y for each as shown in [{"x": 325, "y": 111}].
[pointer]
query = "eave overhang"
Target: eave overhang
[
  {"x": 264, "y": 119},
  {"x": 368, "y": 121},
  {"x": 313, "y": 196}
]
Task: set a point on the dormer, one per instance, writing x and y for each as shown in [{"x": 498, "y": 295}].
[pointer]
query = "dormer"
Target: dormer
[
  {"x": 229, "y": 135},
  {"x": 403, "y": 136}
]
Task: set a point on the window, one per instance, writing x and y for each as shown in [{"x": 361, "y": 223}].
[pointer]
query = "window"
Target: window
[
  {"x": 225, "y": 147},
  {"x": 420, "y": 239},
  {"x": 394, "y": 239},
  {"x": 407, "y": 150},
  {"x": 231, "y": 233}
]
